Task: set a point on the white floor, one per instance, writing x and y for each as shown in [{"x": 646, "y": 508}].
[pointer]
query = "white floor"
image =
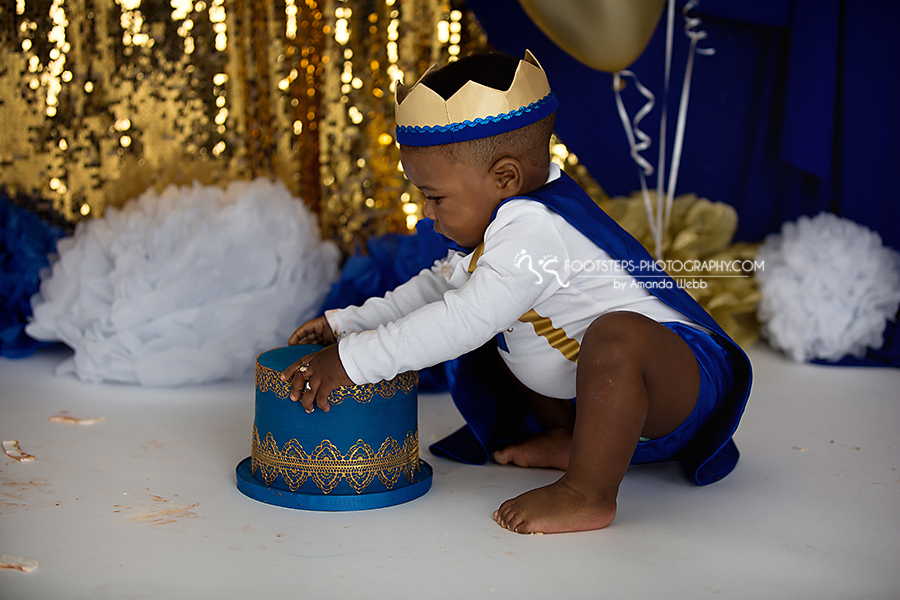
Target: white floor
[{"x": 144, "y": 505}]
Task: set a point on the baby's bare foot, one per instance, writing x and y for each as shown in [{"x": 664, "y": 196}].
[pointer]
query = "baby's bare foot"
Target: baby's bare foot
[
  {"x": 549, "y": 449},
  {"x": 556, "y": 508}
]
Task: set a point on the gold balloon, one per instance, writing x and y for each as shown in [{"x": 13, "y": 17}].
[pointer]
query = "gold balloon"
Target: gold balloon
[{"x": 607, "y": 35}]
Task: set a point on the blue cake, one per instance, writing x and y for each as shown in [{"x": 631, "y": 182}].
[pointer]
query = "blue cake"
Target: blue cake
[{"x": 363, "y": 453}]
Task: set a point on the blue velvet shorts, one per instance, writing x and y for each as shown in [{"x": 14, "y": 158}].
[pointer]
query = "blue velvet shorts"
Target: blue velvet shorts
[{"x": 715, "y": 382}]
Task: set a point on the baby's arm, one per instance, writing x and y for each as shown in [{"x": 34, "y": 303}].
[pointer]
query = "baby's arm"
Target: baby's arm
[
  {"x": 498, "y": 292},
  {"x": 425, "y": 287},
  {"x": 323, "y": 371},
  {"x": 429, "y": 285}
]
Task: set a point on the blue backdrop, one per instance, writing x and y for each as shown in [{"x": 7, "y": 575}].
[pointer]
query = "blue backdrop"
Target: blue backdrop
[{"x": 795, "y": 113}]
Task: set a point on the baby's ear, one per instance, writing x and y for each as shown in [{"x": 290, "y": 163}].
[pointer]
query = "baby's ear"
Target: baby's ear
[{"x": 507, "y": 173}]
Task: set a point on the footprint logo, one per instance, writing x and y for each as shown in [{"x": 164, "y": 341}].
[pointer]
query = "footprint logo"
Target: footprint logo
[
  {"x": 547, "y": 263},
  {"x": 524, "y": 257}
]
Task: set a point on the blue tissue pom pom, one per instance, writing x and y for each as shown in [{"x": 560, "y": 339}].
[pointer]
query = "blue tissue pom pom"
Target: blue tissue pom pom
[{"x": 25, "y": 242}]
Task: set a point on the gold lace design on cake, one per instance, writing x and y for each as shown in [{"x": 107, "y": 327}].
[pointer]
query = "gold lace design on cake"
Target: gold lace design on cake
[
  {"x": 268, "y": 380},
  {"x": 327, "y": 466}
]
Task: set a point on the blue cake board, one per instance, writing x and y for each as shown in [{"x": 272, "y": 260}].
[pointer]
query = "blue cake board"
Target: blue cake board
[{"x": 252, "y": 488}]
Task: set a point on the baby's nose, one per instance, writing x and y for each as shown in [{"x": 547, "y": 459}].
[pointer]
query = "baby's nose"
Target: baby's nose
[{"x": 429, "y": 211}]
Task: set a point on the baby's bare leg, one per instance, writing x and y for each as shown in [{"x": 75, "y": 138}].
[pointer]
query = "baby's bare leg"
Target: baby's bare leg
[
  {"x": 549, "y": 449},
  {"x": 635, "y": 377}
]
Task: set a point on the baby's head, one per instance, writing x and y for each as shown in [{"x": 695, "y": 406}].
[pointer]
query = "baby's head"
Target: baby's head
[{"x": 474, "y": 133}]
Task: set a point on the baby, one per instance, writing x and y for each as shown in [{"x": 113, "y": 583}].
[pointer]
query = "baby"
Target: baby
[{"x": 601, "y": 367}]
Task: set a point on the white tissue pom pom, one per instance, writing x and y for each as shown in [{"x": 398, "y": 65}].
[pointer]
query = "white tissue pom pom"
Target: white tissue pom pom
[
  {"x": 185, "y": 287},
  {"x": 828, "y": 288}
]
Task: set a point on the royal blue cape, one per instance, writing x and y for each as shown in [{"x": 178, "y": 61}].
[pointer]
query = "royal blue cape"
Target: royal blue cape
[{"x": 493, "y": 410}]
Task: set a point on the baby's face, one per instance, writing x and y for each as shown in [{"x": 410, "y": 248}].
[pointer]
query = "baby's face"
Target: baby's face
[{"x": 459, "y": 197}]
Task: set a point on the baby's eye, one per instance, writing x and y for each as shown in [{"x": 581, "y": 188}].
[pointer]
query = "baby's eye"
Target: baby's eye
[{"x": 435, "y": 199}]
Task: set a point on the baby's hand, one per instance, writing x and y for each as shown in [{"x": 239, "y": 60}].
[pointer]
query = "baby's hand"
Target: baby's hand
[
  {"x": 316, "y": 331},
  {"x": 315, "y": 376}
]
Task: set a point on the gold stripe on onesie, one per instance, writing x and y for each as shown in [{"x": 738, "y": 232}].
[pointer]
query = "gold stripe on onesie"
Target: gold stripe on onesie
[
  {"x": 557, "y": 337},
  {"x": 476, "y": 254}
]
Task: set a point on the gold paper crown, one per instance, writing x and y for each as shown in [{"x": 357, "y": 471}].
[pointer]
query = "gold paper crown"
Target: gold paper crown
[{"x": 474, "y": 111}]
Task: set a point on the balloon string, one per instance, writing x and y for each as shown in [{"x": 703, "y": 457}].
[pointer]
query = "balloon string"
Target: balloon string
[
  {"x": 634, "y": 133},
  {"x": 639, "y": 141},
  {"x": 661, "y": 223},
  {"x": 690, "y": 25}
]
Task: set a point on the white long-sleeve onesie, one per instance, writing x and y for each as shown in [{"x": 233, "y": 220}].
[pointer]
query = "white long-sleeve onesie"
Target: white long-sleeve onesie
[{"x": 535, "y": 278}]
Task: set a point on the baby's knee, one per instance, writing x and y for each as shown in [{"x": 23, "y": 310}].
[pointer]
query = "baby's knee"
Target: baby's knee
[{"x": 617, "y": 338}]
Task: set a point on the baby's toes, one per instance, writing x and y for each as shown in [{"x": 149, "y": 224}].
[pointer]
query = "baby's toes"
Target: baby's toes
[
  {"x": 501, "y": 513},
  {"x": 516, "y": 522},
  {"x": 509, "y": 517}
]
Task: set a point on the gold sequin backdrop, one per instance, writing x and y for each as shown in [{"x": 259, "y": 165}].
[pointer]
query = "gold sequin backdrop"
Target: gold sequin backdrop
[{"x": 101, "y": 99}]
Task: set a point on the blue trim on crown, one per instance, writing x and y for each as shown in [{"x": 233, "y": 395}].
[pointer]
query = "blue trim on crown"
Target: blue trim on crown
[{"x": 482, "y": 127}]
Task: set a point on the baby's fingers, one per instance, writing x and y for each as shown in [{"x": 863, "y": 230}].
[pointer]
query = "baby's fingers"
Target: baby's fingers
[
  {"x": 322, "y": 400},
  {"x": 308, "y": 397},
  {"x": 316, "y": 331},
  {"x": 303, "y": 335},
  {"x": 288, "y": 373},
  {"x": 298, "y": 387},
  {"x": 311, "y": 398}
]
